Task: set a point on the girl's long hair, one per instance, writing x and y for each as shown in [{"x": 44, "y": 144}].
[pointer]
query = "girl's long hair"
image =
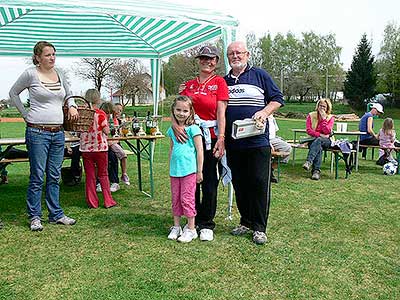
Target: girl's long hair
[
  {"x": 328, "y": 105},
  {"x": 188, "y": 100},
  {"x": 388, "y": 126}
]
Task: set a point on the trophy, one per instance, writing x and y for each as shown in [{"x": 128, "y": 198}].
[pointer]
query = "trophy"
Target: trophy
[
  {"x": 154, "y": 130},
  {"x": 141, "y": 132}
]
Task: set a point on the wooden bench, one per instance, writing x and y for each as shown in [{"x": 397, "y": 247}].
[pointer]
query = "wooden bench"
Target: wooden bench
[
  {"x": 373, "y": 147},
  {"x": 26, "y": 159},
  {"x": 337, "y": 155}
]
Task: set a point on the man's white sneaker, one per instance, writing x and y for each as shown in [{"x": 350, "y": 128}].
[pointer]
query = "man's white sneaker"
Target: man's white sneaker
[
  {"x": 36, "y": 225},
  {"x": 188, "y": 235},
  {"x": 175, "y": 232},
  {"x": 98, "y": 188},
  {"x": 65, "y": 220},
  {"x": 206, "y": 234},
  {"x": 114, "y": 187}
]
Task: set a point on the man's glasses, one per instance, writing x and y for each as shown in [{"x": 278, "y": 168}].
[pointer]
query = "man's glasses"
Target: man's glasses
[{"x": 237, "y": 53}]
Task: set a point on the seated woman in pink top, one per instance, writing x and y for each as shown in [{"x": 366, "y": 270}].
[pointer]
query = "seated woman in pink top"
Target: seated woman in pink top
[{"x": 319, "y": 125}]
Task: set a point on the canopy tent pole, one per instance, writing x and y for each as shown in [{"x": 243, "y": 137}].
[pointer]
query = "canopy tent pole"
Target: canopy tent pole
[
  {"x": 227, "y": 38},
  {"x": 155, "y": 66}
]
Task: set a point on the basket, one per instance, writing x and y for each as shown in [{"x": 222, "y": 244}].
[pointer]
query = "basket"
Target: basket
[{"x": 86, "y": 115}]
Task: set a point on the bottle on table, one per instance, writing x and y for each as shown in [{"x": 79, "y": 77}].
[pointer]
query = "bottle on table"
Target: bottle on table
[
  {"x": 135, "y": 124},
  {"x": 149, "y": 123},
  {"x": 112, "y": 126}
]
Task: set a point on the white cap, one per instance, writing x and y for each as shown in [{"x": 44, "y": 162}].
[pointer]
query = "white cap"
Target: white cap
[{"x": 378, "y": 107}]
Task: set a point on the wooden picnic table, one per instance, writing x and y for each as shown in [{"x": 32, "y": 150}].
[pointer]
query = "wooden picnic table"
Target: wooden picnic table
[{"x": 355, "y": 134}]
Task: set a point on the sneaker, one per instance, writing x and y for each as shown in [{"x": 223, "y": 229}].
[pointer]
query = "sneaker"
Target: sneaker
[
  {"x": 188, "y": 235},
  {"x": 316, "y": 175},
  {"x": 98, "y": 188},
  {"x": 64, "y": 221},
  {"x": 114, "y": 187},
  {"x": 206, "y": 234},
  {"x": 240, "y": 230},
  {"x": 307, "y": 165},
  {"x": 4, "y": 179},
  {"x": 174, "y": 232},
  {"x": 125, "y": 179},
  {"x": 36, "y": 225},
  {"x": 272, "y": 178},
  {"x": 259, "y": 238}
]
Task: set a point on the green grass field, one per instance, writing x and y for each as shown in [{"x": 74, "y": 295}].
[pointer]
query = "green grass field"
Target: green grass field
[{"x": 332, "y": 239}]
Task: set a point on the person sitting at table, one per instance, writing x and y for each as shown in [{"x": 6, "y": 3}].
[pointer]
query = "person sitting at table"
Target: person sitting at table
[
  {"x": 319, "y": 124},
  {"x": 367, "y": 125},
  {"x": 74, "y": 174},
  {"x": 12, "y": 153},
  {"x": 277, "y": 144},
  {"x": 44, "y": 133}
]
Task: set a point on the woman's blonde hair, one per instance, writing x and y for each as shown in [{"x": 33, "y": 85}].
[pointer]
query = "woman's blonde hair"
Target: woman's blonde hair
[
  {"x": 328, "y": 105},
  {"x": 388, "y": 125},
  {"x": 188, "y": 100},
  {"x": 93, "y": 96}
]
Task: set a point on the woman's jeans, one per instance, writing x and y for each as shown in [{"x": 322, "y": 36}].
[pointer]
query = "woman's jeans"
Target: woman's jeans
[
  {"x": 315, "y": 151},
  {"x": 46, "y": 154}
]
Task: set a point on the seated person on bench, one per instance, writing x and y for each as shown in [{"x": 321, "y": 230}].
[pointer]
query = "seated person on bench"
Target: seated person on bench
[
  {"x": 12, "y": 153},
  {"x": 277, "y": 144},
  {"x": 367, "y": 125},
  {"x": 319, "y": 124}
]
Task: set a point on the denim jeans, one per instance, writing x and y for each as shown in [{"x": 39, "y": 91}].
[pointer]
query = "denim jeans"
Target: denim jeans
[
  {"x": 315, "y": 151},
  {"x": 46, "y": 153}
]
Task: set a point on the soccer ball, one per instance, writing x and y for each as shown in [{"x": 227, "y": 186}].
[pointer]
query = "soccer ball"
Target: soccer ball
[{"x": 389, "y": 168}]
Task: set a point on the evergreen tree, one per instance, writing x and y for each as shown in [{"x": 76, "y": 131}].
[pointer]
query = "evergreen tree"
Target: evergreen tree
[{"x": 360, "y": 81}]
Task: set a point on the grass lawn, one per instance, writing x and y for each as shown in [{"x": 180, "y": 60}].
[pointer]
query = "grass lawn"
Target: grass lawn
[{"x": 332, "y": 239}]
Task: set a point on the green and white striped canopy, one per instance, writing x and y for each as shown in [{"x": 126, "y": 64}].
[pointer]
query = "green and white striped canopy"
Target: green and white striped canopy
[
  {"x": 125, "y": 28},
  {"x": 147, "y": 28}
]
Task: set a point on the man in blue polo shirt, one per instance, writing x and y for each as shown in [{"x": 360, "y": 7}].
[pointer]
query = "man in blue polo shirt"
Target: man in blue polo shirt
[
  {"x": 252, "y": 94},
  {"x": 367, "y": 125}
]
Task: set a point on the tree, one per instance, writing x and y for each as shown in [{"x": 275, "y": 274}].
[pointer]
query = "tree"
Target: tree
[
  {"x": 182, "y": 67},
  {"x": 128, "y": 76},
  {"x": 96, "y": 69},
  {"x": 361, "y": 79},
  {"x": 179, "y": 69},
  {"x": 388, "y": 63},
  {"x": 254, "y": 49}
]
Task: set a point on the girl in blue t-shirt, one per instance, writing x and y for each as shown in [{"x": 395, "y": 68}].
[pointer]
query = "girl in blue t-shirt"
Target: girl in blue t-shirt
[{"x": 186, "y": 169}]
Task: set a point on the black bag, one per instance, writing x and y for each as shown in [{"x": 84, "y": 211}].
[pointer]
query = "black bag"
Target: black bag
[{"x": 68, "y": 178}]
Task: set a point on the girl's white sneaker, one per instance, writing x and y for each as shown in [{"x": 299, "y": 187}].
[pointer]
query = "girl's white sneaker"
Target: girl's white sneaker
[
  {"x": 188, "y": 235},
  {"x": 174, "y": 233}
]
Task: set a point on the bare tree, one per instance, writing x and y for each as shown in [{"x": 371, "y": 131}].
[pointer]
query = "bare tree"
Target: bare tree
[
  {"x": 96, "y": 69},
  {"x": 129, "y": 77}
]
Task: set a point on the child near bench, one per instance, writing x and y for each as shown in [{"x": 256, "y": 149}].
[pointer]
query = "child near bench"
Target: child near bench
[{"x": 387, "y": 138}]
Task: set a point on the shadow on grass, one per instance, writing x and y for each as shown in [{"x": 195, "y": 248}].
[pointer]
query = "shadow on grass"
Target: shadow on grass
[{"x": 132, "y": 223}]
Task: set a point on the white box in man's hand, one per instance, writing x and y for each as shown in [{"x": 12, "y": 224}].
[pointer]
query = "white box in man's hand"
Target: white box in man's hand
[{"x": 246, "y": 128}]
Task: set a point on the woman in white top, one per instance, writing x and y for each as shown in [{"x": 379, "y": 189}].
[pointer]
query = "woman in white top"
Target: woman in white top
[{"x": 44, "y": 133}]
